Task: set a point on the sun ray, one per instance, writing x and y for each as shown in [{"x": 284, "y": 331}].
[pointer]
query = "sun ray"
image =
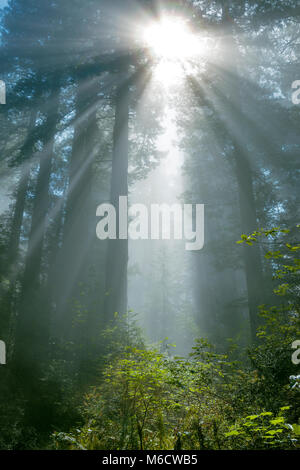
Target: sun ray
[{"x": 170, "y": 38}]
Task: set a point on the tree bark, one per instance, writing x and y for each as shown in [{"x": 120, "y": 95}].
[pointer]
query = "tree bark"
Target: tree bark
[
  {"x": 11, "y": 268},
  {"x": 32, "y": 329},
  {"x": 117, "y": 256},
  {"x": 73, "y": 256},
  {"x": 249, "y": 223},
  {"x": 244, "y": 173}
]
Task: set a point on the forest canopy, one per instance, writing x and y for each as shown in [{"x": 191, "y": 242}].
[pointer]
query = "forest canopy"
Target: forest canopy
[{"x": 116, "y": 332}]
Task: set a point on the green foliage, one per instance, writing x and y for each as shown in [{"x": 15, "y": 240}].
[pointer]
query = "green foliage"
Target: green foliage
[
  {"x": 263, "y": 431},
  {"x": 284, "y": 259},
  {"x": 148, "y": 399}
]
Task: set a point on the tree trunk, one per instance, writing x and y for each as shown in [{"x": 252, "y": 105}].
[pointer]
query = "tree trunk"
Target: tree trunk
[
  {"x": 15, "y": 232},
  {"x": 77, "y": 234},
  {"x": 32, "y": 329},
  {"x": 238, "y": 127},
  {"x": 117, "y": 257},
  {"x": 249, "y": 223}
]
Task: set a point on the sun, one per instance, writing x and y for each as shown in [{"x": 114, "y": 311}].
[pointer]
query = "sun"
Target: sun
[{"x": 171, "y": 39}]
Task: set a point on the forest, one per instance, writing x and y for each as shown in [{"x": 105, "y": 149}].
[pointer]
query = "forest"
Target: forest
[{"x": 183, "y": 335}]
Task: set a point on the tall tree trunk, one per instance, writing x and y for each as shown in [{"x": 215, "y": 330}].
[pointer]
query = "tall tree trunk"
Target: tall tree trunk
[
  {"x": 117, "y": 256},
  {"x": 249, "y": 223},
  {"x": 32, "y": 329},
  {"x": 16, "y": 224},
  {"x": 77, "y": 234},
  {"x": 15, "y": 229},
  {"x": 244, "y": 171}
]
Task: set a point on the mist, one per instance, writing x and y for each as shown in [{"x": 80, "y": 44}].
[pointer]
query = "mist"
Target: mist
[{"x": 180, "y": 122}]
